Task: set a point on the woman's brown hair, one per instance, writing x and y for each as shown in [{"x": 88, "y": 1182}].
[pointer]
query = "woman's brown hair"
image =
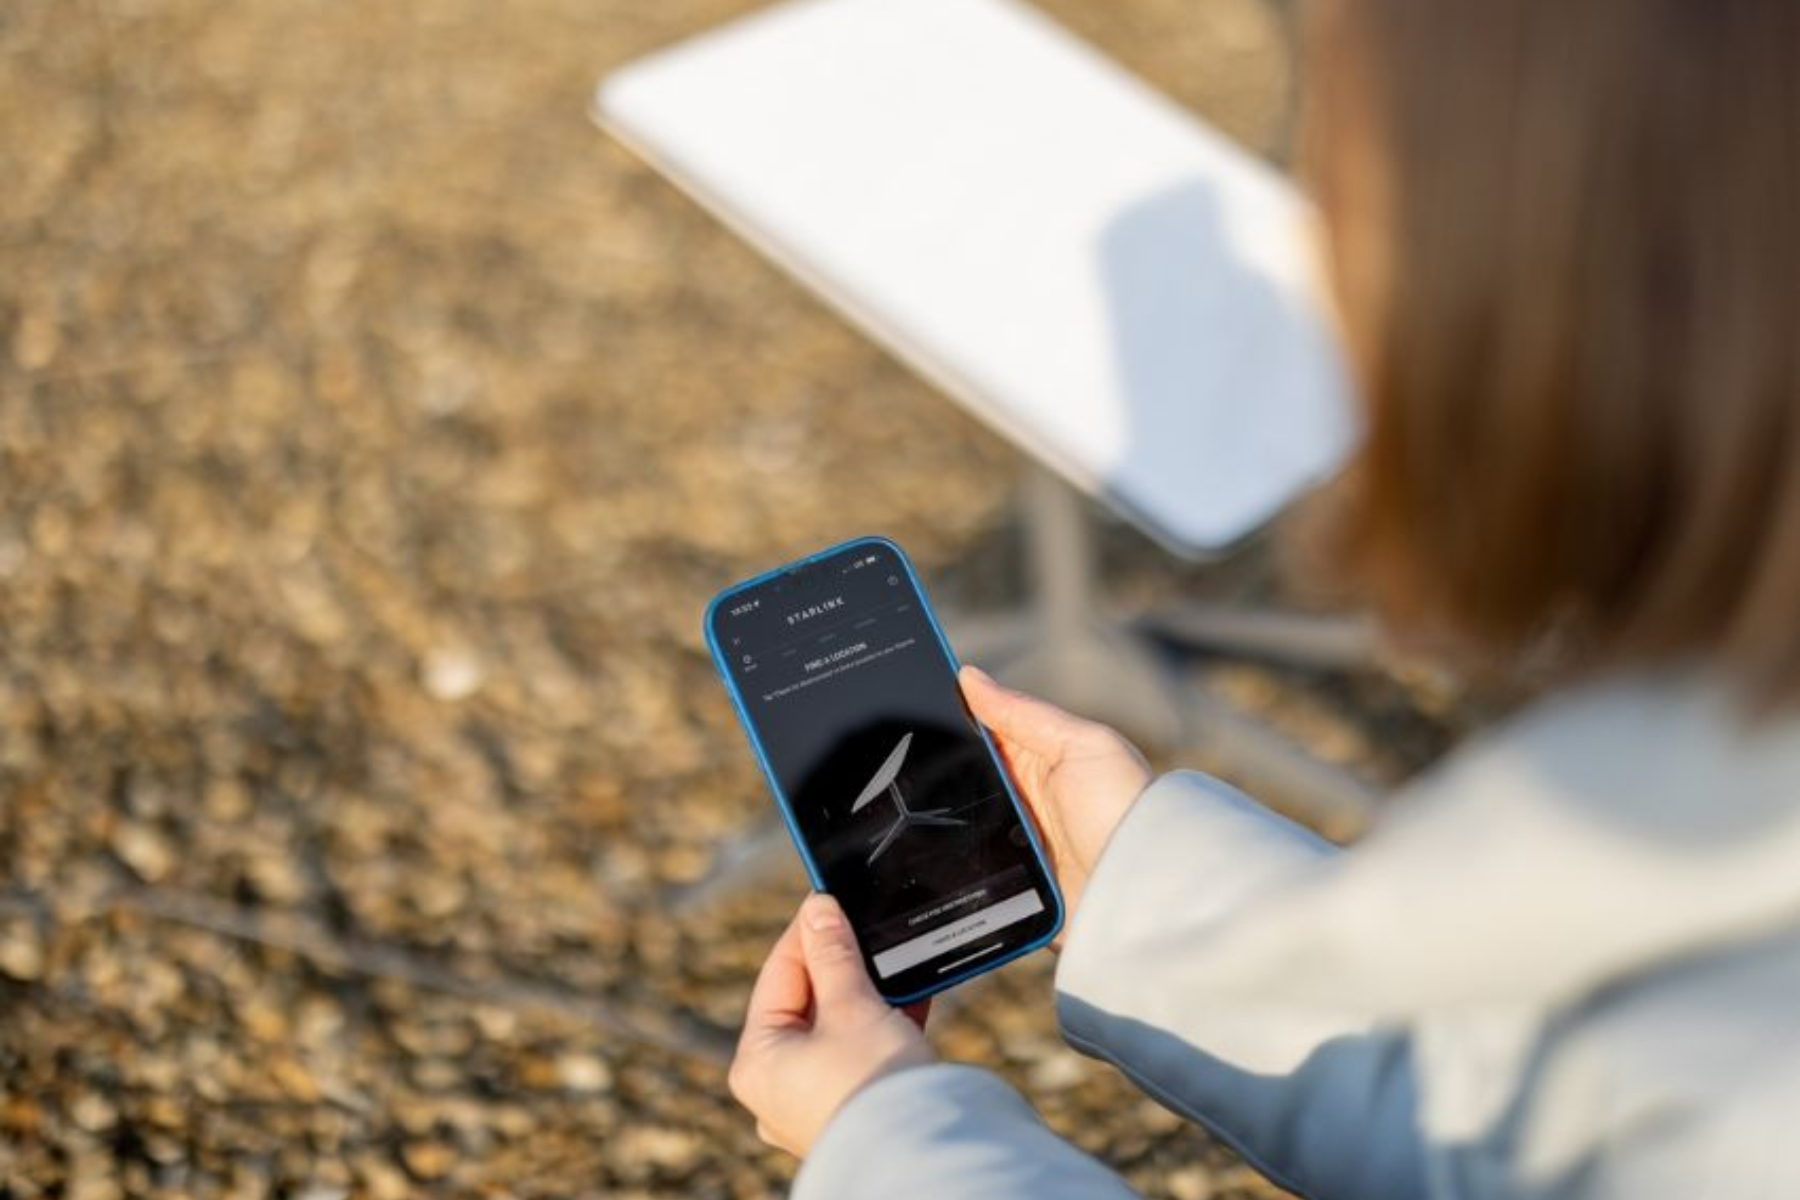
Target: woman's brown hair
[{"x": 1566, "y": 247}]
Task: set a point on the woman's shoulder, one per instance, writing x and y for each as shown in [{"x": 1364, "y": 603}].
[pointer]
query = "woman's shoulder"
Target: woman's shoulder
[
  {"x": 1605, "y": 893},
  {"x": 1597, "y": 834},
  {"x": 1658, "y": 787},
  {"x": 1675, "y": 752}
]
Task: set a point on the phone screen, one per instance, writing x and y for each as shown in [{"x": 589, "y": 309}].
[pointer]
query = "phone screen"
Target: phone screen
[{"x": 903, "y": 811}]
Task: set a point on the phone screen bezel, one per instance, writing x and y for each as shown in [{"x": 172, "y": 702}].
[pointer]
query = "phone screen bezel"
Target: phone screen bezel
[{"x": 1037, "y": 931}]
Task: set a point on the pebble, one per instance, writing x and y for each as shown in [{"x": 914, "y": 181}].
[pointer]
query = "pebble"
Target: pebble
[
  {"x": 1056, "y": 1071},
  {"x": 380, "y": 1179},
  {"x": 663, "y": 1146},
  {"x": 292, "y": 1077},
  {"x": 92, "y": 1113},
  {"x": 1190, "y": 1183},
  {"x": 21, "y": 952},
  {"x": 454, "y": 673},
  {"x": 146, "y": 851},
  {"x": 322, "y": 1191},
  {"x": 428, "y": 1160},
  {"x": 584, "y": 1073}
]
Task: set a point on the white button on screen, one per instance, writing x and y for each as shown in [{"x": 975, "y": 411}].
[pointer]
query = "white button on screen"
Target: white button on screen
[{"x": 946, "y": 938}]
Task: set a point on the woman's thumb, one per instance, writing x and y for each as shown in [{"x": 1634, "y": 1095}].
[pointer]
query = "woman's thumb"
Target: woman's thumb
[{"x": 832, "y": 957}]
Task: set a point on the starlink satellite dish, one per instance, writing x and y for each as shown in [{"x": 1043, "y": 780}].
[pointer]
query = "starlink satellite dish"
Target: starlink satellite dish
[{"x": 887, "y": 779}]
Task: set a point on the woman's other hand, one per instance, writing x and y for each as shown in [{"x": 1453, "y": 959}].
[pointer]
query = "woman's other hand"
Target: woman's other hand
[
  {"x": 1079, "y": 777},
  {"x": 817, "y": 1031}
]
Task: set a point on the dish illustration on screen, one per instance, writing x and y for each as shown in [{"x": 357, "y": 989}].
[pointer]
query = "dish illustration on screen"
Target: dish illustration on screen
[{"x": 887, "y": 779}]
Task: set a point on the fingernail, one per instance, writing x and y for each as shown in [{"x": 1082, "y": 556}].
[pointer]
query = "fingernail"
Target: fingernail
[{"x": 824, "y": 915}]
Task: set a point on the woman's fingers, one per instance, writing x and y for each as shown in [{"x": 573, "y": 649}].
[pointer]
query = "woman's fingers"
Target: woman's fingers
[
  {"x": 1033, "y": 724},
  {"x": 816, "y": 959},
  {"x": 817, "y": 1031}
]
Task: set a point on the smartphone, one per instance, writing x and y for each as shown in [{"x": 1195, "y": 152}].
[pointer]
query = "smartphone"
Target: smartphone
[{"x": 899, "y": 805}]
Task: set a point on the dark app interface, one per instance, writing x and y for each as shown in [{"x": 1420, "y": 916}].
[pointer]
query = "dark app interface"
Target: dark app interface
[{"x": 896, "y": 794}]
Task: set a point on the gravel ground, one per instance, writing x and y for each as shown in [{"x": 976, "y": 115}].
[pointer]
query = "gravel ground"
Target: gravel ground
[{"x": 372, "y": 433}]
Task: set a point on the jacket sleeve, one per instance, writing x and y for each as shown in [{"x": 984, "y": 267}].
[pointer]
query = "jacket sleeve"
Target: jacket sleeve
[
  {"x": 1319, "y": 1098},
  {"x": 947, "y": 1132}
]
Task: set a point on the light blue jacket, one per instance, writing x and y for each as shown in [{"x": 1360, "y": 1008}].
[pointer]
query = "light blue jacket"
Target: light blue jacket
[{"x": 1566, "y": 964}]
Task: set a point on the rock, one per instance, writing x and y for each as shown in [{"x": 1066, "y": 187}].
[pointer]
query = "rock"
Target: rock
[
  {"x": 21, "y": 952},
  {"x": 428, "y": 1160},
  {"x": 227, "y": 800},
  {"x": 583, "y": 1073},
  {"x": 21, "y": 1116},
  {"x": 322, "y": 1191},
  {"x": 667, "y": 1147},
  {"x": 92, "y": 1183},
  {"x": 454, "y": 673},
  {"x": 277, "y": 878},
  {"x": 92, "y": 1112},
  {"x": 537, "y": 1072},
  {"x": 1056, "y": 1071},
  {"x": 294, "y": 1078},
  {"x": 380, "y": 1179},
  {"x": 145, "y": 850},
  {"x": 1190, "y": 1183}
]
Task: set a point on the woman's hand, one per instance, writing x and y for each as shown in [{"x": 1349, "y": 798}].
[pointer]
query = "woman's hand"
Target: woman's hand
[
  {"x": 817, "y": 1031},
  {"x": 1079, "y": 777}
]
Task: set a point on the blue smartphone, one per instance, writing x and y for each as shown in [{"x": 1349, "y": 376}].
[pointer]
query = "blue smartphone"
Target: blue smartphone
[{"x": 894, "y": 795}]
